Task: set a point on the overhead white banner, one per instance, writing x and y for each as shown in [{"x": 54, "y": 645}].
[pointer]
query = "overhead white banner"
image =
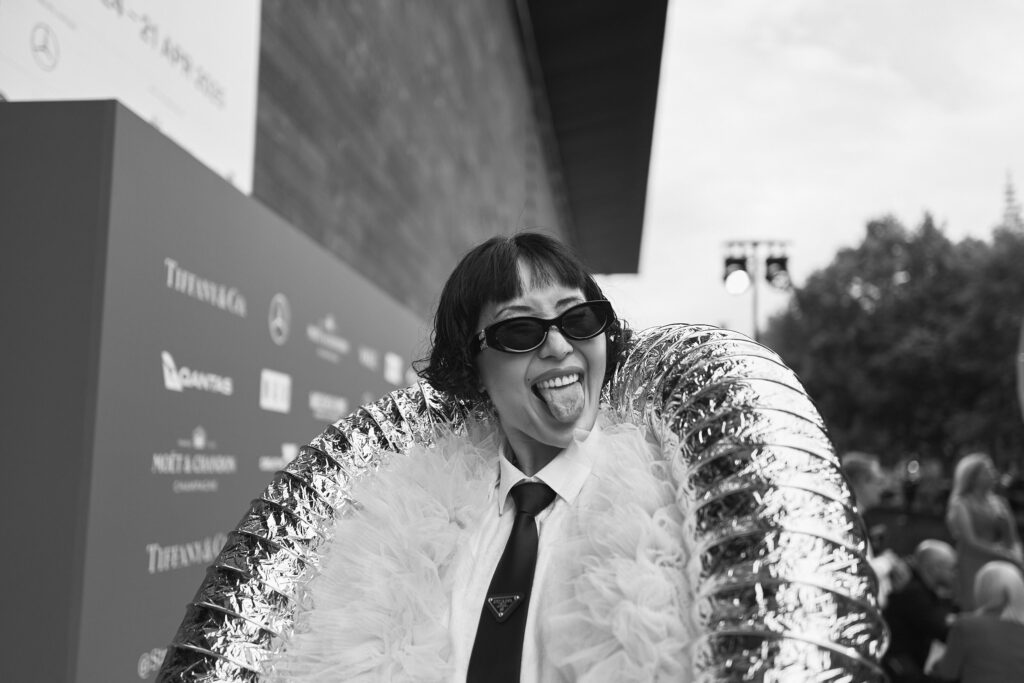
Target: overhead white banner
[{"x": 189, "y": 67}]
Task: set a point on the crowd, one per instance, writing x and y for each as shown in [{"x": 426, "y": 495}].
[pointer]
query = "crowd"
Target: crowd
[{"x": 955, "y": 611}]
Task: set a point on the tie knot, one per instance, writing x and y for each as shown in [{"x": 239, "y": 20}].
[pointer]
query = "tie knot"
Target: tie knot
[{"x": 532, "y": 497}]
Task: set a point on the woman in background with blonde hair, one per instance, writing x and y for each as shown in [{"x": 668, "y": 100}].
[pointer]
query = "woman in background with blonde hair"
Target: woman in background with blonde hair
[
  {"x": 980, "y": 522},
  {"x": 988, "y": 645}
]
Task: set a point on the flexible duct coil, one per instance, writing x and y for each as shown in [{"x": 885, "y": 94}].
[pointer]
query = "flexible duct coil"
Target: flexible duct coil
[{"x": 783, "y": 588}]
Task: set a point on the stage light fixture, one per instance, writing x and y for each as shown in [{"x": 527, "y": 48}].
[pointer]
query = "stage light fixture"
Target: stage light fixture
[
  {"x": 737, "y": 277},
  {"x": 776, "y": 272}
]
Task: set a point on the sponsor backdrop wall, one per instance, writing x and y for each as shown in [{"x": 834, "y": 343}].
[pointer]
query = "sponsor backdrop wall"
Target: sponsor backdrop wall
[{"x": 193, "y": 341}]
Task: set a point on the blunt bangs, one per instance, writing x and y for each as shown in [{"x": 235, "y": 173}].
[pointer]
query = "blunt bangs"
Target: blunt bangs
[{"x": 495, "y": 278}]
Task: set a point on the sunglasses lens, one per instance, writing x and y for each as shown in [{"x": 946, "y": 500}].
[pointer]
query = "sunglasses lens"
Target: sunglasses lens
[
  {"x": 585, "y": 321},
  {"x": 519, "y": 334}
]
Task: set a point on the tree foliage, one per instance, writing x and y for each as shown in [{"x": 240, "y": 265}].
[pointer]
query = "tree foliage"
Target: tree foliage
[{"x": 908, "y": 343}]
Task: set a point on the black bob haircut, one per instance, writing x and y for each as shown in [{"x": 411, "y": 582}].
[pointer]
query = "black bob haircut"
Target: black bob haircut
[{"x": 489, "y": 273}]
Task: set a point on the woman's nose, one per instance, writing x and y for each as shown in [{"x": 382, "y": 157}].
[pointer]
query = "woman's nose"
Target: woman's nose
[{"x": 556, "y": 345}]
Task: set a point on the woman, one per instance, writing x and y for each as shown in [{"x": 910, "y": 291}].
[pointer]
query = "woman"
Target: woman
[
  {"x": 988, "y": 646},
  {"x": 980, "y": 522},
  {"x": 523, "y": 330}
]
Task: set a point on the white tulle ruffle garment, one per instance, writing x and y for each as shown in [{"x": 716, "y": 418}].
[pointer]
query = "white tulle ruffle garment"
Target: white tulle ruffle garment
[{"x": 615, "y": 606}]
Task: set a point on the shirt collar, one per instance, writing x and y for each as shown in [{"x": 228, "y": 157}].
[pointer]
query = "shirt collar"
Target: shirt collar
[{"x": 565, "y": 473}]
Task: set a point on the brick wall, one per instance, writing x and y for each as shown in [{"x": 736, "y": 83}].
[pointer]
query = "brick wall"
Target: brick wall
[{"x": 399, "y": 133}]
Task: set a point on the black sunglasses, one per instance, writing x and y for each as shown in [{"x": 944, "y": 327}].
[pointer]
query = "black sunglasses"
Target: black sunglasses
[{"x": 523, "y": 334}]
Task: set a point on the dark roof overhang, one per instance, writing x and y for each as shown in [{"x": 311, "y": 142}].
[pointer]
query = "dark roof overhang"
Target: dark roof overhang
[{"x": 598, "y": 64}]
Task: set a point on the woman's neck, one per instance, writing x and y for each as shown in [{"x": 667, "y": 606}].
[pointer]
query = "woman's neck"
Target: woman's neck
[{"x": 530, "y": 456}]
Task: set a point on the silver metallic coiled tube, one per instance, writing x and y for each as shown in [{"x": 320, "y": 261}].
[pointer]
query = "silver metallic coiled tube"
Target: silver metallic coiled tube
[{"x": 783, "y": 590}]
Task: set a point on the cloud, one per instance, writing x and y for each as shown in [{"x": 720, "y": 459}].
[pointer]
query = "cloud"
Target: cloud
[{"x": 802, "y": 120}]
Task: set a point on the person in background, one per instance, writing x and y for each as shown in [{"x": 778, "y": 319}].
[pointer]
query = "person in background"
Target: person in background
[
  {"x": 988, "y": 646},
  {"x": 867, "y": 483},
  {"x": 920, "y": 612},
  {"x": 980, "y": 522}
]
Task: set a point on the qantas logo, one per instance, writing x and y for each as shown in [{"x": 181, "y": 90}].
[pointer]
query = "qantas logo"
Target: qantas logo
[{"x": 182, "y": 378}]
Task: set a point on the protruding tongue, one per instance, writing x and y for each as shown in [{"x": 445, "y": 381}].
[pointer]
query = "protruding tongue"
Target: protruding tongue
[{"x": 565, "y": 403}]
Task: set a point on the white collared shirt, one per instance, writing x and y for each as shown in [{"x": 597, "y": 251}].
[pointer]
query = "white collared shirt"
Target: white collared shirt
[{"x": 475, "y": 565}]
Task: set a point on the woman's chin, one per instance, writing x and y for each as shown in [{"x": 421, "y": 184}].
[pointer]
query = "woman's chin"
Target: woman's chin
[
  {"x": 566, "y": 429},
  {"x": 545, "y": 428}
]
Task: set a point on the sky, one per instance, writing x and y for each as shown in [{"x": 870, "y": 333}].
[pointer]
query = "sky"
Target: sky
[{"x": 801, "y": 120}]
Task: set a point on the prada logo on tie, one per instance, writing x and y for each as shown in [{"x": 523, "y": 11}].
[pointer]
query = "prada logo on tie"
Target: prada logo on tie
[{"x": 503, "y": 605}]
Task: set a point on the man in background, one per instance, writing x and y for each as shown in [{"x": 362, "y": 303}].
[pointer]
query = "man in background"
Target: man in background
[{"x": 920, "y": 612}]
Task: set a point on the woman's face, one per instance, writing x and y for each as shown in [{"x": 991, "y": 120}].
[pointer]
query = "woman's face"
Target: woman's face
[
  {"x": 544, "y": 395},
  {"x": 986, "y": 477}
]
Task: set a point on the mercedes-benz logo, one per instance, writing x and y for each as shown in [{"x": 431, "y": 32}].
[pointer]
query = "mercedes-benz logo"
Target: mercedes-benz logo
[
  {"x": 279, "y": 319},
  {"x": 45, "y": 49}
]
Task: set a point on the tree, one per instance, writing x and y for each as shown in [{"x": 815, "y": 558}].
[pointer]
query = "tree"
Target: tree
[{"x": 908, "y": 342}]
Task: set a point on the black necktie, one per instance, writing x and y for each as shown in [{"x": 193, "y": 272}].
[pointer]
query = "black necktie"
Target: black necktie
[{"x": 498, "y": 648}]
